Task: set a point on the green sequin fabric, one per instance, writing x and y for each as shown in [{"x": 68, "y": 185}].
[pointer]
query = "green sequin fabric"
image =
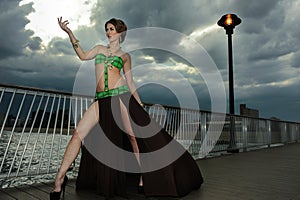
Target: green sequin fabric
[
  {"x": 109, "y": 62},
  {"x": 112, "y": 92},
  {"x": 115, "y": 61}
]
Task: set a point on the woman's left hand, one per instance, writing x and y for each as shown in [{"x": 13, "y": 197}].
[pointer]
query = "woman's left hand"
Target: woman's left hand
[{"x": 64, "y": 25}]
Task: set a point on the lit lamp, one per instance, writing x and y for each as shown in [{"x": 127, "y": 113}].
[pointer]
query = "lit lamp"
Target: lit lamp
[{"x": 229, "y": 22}]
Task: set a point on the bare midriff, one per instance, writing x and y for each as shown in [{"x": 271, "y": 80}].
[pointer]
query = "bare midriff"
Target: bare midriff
[{"x": 115, "y": 79}]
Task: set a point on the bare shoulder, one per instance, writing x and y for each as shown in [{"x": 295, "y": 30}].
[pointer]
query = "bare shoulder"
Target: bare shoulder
[
  {"x": 101, "y": 48},
  {"x": 126, "y": 57}
]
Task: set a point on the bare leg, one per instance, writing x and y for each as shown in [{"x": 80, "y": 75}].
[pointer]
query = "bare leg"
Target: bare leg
[
  {"x": 88, "y": 121},
  {"x": 129, "y": 131}
]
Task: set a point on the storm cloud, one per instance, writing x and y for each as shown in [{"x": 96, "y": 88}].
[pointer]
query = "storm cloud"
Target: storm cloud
[{"x": 265, "y": 48}]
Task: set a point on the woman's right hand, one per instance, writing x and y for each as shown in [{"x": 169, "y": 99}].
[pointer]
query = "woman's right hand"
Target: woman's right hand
[{"x": 63, "y": 25}]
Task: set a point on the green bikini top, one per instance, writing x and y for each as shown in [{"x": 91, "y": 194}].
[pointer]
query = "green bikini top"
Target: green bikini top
[
  {"x": 109, "y": 63},
  {"x": 115, "y": 61}
]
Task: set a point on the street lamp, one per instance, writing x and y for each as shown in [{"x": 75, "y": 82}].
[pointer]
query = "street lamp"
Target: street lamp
[{"x": 229, "y": 22}]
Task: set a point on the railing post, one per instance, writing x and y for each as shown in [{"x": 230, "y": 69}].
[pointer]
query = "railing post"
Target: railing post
[
  {"x": 284, "y": 133},
  {"x": 245, "y": 133},
  {"x": 4, "y": 122},
  {"x": 6, "y": 115},
  {"x": 269, "y": 133},
  {"x": 203, "y": 132},
  {"x": 29, "y": 134},
  {"x": 298, "y": 133},
  {"x": 12, "y": 132},
  {"x": 232, "y": 143}
]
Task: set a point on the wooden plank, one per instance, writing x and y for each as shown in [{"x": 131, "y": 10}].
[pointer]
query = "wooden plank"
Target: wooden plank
[
  {"x": 4, "y": 195},
  {"x": 35, "y": 191},
  {"x": 262, "y": 174},
  {"x": 266, "y": 174},
  {"x": 18, "y": 194}
]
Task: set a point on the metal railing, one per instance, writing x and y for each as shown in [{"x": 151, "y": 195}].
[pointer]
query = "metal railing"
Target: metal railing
[{"x": 36, "y": 126}]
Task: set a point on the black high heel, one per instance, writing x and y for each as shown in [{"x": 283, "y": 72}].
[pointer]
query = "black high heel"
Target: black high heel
[
  {"x": 140, "y": 186},
  {"x": 141, "y": 189},
  {"x": 56, "y": 195}
]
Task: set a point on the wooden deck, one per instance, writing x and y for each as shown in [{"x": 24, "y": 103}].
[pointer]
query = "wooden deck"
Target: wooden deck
[{"x": 267, "y": 174}]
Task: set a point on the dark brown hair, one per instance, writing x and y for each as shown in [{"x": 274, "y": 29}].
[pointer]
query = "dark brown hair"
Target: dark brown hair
[{"x": 120, "y": 27}]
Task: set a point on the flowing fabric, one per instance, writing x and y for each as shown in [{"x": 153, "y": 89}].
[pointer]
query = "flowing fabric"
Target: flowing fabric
[{"x": 175, "y": 179}]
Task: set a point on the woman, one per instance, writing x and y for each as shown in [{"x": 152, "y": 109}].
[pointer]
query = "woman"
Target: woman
[{"x": 117, "y": 95}]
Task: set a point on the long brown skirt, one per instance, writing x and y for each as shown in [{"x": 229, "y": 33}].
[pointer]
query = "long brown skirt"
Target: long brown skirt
[{"x": 112, "y": 170}]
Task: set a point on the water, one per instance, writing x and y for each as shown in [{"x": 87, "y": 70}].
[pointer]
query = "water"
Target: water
[{"x": 30, "y": 158}]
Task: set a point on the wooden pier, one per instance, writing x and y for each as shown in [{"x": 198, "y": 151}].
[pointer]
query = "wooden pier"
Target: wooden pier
[{"x": 266, "y": 174}]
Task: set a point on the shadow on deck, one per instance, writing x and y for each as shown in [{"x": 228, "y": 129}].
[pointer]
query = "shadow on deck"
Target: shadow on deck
[{"x": 267, "y": 174}]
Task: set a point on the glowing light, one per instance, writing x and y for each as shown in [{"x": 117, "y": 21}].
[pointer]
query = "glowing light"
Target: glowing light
[{"x": 228, "y": 20}]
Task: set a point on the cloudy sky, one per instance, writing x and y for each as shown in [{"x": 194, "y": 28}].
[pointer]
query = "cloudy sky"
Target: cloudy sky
[{"x": 36, "y": 53}]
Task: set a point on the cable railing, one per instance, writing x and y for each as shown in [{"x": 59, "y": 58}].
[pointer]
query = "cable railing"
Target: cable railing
[{"x": 36, "y": 125}]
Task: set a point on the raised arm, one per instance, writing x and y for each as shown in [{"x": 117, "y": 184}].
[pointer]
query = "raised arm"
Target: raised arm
[
  {"x": 83, "y": 55},
  {"x": 129, "y": 78}
]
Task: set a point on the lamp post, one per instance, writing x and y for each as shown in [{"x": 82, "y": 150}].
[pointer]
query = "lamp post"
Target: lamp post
[{"x": 228, "y": 22}]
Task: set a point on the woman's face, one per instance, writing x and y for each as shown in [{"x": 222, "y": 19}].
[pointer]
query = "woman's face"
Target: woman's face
[{"x": 111, "y": 32}]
